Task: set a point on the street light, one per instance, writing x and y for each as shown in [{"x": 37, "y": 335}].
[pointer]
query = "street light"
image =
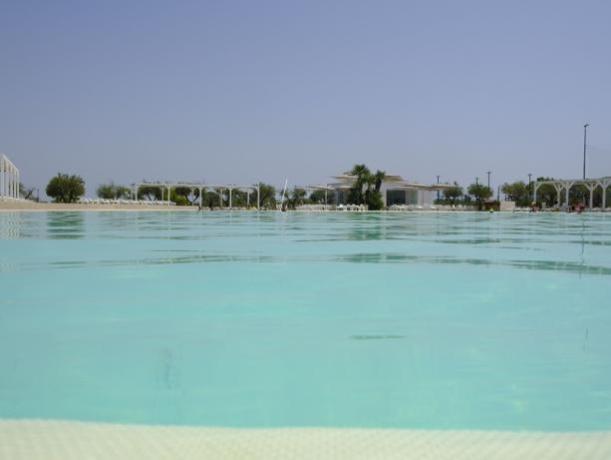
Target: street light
[{"x": 585, "y": 133}]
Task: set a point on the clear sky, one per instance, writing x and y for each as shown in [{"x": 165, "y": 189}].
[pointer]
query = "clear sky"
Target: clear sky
[{"x": 241, "y": 91}]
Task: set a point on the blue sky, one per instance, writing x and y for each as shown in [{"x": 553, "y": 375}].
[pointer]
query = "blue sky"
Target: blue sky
[{"x": 241, "y": 91}]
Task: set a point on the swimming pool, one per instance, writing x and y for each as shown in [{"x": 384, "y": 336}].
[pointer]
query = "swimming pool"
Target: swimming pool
[{"x": 436, "y": 321}]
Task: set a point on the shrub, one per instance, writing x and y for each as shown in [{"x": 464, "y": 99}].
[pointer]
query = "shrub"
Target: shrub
[{"x": 64, "y": 188}]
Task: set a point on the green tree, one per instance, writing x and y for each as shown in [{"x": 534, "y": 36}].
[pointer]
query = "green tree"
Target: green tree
[
  {"x": 546, "y": 193},
  {"x": 318, "y": 196},
  {"x": 378, "y": 178},
  {"x": 356, "y": 194},
  {"x": 184, "y": 196},
  {"x": 180, "y": 197},
  {"x": 124, "y": 192},
  {"x": 453, "y": 194},
  {"x": 480, "y": 192},
  {"x": 238, "y": 198},
  {"x": 106, "y": 191},
  {"x": 366, "y": 187},
  {"x": 210, "y": 199},
  {"x": 579, "y": 194},
  {"x": 374, "y": 197},
  {"x": 296, "y": 197},
  {"x": 374, "y": 201},
  {"x": 149, "y": 192},
  {"x": 518, "y": 192},
  {"x": 65, "y": 188},
  {"x": 267, "y": 196},
  {"x": 113, "y": 192}
]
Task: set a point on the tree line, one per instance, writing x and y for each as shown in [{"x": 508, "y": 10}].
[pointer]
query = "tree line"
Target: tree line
[{"x": 364, "y": 190}]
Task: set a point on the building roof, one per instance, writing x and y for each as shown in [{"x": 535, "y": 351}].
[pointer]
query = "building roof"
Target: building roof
[{"x": 391, "y": 181}]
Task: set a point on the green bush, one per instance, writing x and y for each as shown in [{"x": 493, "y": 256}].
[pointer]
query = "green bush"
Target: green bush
[
  {"x": 180, "y": 200},
  {"x": 113, "y": 192},
  {"x": 64, "y": 188}
]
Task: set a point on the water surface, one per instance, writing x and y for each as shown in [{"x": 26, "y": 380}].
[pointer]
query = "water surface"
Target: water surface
[{"x": 415, "y": 320}]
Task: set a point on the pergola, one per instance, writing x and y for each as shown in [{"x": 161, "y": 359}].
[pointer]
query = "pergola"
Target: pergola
[
  {"x": 312, "y": 188},
  {"x": 566, "y": 185},
  {"x": 201, "y": 187},
  {"x": 9, "y": 179}
]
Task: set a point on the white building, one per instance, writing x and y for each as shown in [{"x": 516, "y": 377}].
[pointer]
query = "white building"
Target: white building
[
  {"x": 9, "y": 179},
  {"x": 394, "y": 189}
]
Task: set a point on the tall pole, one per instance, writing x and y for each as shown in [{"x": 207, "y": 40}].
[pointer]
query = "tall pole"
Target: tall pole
[
  {"x": 585, "y": 134},
  {"x": 477, "y": 181},
  {"x": 529, "y": 182},
  {"x": 438, "y": 189},
  {"x": 488, "y": 172}
]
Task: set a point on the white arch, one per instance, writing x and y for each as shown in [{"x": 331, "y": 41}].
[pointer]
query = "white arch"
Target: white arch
[
  {"x": 201, "y": 187},
  {"x": 566, "y": 185},
  {"x": 9, "y": 179}
]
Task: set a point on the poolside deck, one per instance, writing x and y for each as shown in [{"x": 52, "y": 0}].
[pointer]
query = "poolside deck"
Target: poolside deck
[{"x": 50, "y": 440}]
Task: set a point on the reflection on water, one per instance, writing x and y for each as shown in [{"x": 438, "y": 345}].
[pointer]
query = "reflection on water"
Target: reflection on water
[
  {"x": 376, "y": 337},
  {"x": 378, "y": 258},
  {"x": 551, "y": 242},
  {"x": 65, "y": 225},
  {"x": 10, "y": 225}
]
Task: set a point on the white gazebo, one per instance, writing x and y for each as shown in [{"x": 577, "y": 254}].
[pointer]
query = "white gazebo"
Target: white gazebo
[
  {"x": 566, "y": 184},
  {"x": 9, "y": 179},
  {"x": 166, "y": 188}
]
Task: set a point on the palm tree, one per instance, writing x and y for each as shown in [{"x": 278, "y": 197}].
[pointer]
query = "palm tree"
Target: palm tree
[
  {"x": 296, "y": 198},
  {"x": 378, "y": 178},
  {"x": 366, "y": 187},
  {"x": 363, "y": 178}
]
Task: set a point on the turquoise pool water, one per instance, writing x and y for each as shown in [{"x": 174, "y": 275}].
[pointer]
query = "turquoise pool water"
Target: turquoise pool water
[{"x": 445, "y": 321}]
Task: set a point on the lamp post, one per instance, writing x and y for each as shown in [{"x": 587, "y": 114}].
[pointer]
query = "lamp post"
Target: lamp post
[
  {"x": 488, "y": 172},
  {"x": 477, "y": 181},
  {"x": 585, "y": 134},
  {"x": 437, "y": 189}
]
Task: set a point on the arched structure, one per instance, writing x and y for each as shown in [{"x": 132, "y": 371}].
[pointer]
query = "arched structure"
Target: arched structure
[
  {"x": 9, "y": 179},
  {"x": 566, "y": 184},
  {"x": 163, "y": 186},
  {"x": 309, "y": 189},
  {"x": 230, "y": 188},
  {"x": 166, "y": 187}
]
